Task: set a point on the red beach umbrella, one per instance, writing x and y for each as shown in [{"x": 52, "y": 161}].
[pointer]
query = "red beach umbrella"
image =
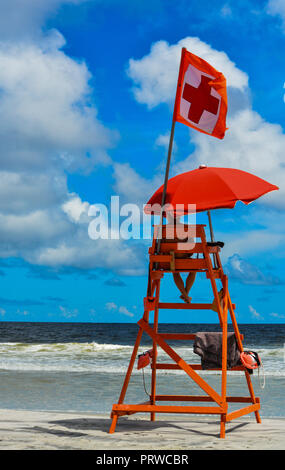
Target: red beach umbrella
[{"x": 210, "y": 188}]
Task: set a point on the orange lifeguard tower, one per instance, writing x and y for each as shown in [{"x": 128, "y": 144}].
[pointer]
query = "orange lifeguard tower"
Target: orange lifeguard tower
[{"x": 169, "y": 260}]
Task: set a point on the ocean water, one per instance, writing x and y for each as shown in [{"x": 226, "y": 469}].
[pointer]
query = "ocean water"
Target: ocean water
[{"x": 81, "y": 366}]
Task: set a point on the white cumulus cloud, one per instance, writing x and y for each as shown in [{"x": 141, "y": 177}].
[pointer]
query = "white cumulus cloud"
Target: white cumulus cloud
[
  {"x": 155, "y": 74},
  {"x": 256, "y": 315},
  {"x": 251, "y": 143},
  {"x": 49, "y": 127}
]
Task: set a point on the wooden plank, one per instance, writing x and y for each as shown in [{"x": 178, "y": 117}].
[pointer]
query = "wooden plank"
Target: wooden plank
[
  {"x": 243, "y": 411},
  {"x": 183, "y": 398},
  {"x": 200, "y": 398},
  {"x": 184, "y": 306},
  {"x": 167, "y": 409},
  {"x": 190, "y": 263},
  {"x": 187, "y": 248},
  {"x": 186, "y": 264},
  {"x": 160, "y": 258},
  {"x": 192, "y": 231},
  {"x": 180, "y": 336},
  {"x": 124, "y": 413},
  {"x": 167, "y": 366},
  {"x": 216, "y": 274}
]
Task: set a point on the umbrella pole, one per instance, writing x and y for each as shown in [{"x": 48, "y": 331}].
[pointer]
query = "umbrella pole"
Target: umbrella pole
[
  {"x": 211, "y": 226},
  {"x": 165, "y": 184},
  {"x": 212, "y": 235}
]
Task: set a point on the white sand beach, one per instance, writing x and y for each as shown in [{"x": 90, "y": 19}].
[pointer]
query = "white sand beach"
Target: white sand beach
[{"x": 33, "y": 430}]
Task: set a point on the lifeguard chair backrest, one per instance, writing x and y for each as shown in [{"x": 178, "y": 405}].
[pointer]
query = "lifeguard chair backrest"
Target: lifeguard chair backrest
[
  {"x": 182, "y": 236},
  {"x": 178, "y": 233},
  {"x": 172, "y": 253}
]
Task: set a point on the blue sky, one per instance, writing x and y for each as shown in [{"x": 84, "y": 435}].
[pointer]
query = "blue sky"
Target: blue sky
[{"x": 86, "y": 99}]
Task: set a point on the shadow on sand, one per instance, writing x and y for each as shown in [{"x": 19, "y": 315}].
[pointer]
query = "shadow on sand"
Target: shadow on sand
[{"x": 81, "y": 426}]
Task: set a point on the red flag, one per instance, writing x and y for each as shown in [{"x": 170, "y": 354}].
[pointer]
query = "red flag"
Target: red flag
[{"x": 201, "y": 96}]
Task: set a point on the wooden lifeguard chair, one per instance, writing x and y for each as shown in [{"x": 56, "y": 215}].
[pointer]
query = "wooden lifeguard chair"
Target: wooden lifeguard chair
[{"x": 208, "y": 262}]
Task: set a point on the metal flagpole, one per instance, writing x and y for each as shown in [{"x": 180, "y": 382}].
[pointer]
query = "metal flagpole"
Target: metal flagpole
[
  {"x": 165, "y": 184},
  {"x": 163, "y": 199}
]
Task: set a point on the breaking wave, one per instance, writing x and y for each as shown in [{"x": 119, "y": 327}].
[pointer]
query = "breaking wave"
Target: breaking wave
[{"x": 107, "y": 358}]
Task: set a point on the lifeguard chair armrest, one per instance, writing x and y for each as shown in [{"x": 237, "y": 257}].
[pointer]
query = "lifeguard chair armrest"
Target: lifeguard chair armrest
[{"x": 220, "y": 244}]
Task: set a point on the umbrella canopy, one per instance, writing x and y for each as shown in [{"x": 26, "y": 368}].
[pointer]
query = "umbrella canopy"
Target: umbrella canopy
[{"x": 210, "y": 188}]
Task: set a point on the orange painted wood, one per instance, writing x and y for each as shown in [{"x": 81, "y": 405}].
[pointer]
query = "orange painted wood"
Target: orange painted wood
[
  {"x": 149, "y": 303},
  {"x": 187, "y": 248},
  {"x": 178, "y": 336},
  {"x": 154, "y": 346},
  {"x": 210, "y": 272},
  {"x": 184, "y": 264},
  {"x": 190, "y": 264},
  {"x": 167, "y": 366},
  {"x": 184, "y": 398},
  {"x": 224, "y": 339},
  {"x": 160, "y": 258},
  {"x": 193, "y": 231},
  {"x": 216, "y": 274},
  {"x": 201, "y": 398},
  {"x": 224, "y": 354},
  {"x": 240, "y": 346},
  {"x": 183, "y": 365},
  {"x": 156, "y": 275},
  {"x": 127, "y": 378},
  {"x": 113, "y": 423},
  {"x": 184, "y": 306},
  {"x": 223, "y": 426},
  {"x": 243, "y": 411},
  {"x": 212, "y": 279},
  {"x": 124, "y": 413},
  {"x": 211, "y": 265},
  {"x": 169, "y": 409},
  {"x": 235, "y": 325}
]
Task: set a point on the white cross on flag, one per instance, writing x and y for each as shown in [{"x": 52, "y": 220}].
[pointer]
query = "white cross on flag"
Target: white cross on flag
[{"x": 201, "y": 97}]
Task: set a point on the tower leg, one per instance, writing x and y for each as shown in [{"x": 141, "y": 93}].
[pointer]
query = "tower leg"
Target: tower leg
[
  {"x": 247, "y": 376},
  {"x": 127, "y": 380},
  {"x": 223, "y": 426},
  {"x": 224, "y": 354},
  {"x": 113, "y": 424},
  {"x": 154, "y": 345}
]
